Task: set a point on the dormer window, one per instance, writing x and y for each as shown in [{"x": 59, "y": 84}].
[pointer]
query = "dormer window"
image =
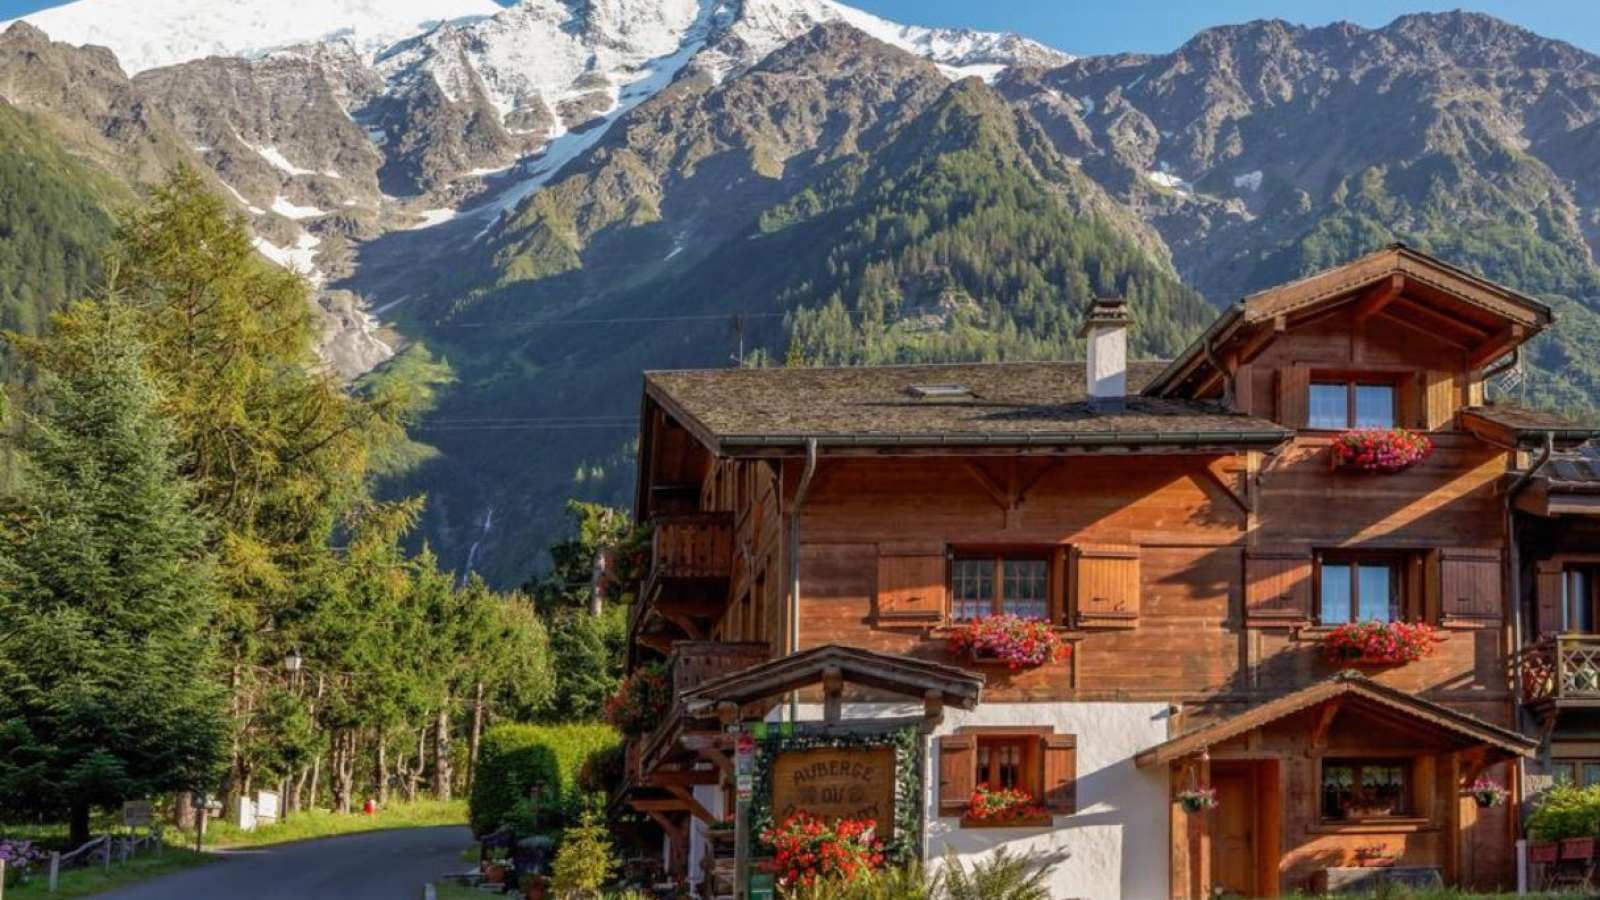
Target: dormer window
[{"x": 1340, "y": 405}]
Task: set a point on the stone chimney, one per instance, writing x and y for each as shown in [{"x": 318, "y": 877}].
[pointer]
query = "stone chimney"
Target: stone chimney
[{"x": 1105, "y": 327}]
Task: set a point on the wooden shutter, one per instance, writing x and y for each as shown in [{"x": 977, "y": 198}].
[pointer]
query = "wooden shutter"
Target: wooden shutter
[
  {"x": 1550, "y": 588},
  {"x": 958, "y": 768},
  {"x": 1060, "y": 788},
  {"x": 1277, "y": 587},
  {"x": 1442, "y": 400},
  {"x": 1294, "y": 396},
  {"x": 1107, "y": 586},
  {"x": 1470, "y": 586},
  {"x": 911, "y": 583}
]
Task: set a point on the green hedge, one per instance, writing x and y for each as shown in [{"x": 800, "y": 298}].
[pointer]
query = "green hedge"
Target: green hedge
[
  {"x": 513, "y": 758},
  {"x": 1566, "y": 812}
]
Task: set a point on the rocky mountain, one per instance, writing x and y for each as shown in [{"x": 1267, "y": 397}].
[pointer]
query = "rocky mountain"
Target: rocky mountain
[{"x": 540, "y": 201}]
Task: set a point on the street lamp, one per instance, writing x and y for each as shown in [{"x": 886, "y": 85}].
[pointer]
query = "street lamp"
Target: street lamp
[{"x": 292, "y": 662}]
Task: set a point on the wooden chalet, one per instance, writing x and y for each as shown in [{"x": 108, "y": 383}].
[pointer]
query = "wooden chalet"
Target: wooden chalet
[{"x": 1182, "y": 526}]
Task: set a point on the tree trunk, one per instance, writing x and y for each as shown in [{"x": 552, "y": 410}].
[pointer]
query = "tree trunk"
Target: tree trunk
[
  {"x": 183, "y": 810},
  {"x": 313, "y": 797},
  {"x": 441, "y": 754},
  {"x": 477, "y": 736},
  {"x": 380, "y": 769},
  {"x": 343, "y": 764},
  {"x": 78, "y": 835}
]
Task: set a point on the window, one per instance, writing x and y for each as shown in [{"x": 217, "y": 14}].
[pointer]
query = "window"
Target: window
[
  {"x": 1035, "y": 760},
  {"x": 1366, "y": 788},
  {"x": 1580, "y": 596},
  {"x": 1358, "y": 589},
  {"x": 982, "y": 586},
  {"x": 1338, "y": 405},
  {"x": 1003, "y": 762},
  {"x": 1578, "y": 772}
]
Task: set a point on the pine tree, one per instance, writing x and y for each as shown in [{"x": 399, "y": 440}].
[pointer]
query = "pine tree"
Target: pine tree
[{"x": 106, "y": 587}]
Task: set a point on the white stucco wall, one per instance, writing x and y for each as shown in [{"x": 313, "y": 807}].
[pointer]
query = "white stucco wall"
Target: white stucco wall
[
  {"x": 1116, "y": 846},
  {"x": 1108, "y": 361}
]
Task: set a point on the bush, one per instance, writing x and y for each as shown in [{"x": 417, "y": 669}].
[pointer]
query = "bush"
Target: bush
[
  {"x": 514, "y": 758},
  {"x": 1566, "y": 812},
  {"x": 584, "y": 862}
]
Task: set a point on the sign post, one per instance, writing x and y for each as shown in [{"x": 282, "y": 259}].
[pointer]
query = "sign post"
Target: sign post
[{"x": 745, "y": 774}]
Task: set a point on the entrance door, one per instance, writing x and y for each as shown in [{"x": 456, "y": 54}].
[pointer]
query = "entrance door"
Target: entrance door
[{"x": 1234, "y": 857}]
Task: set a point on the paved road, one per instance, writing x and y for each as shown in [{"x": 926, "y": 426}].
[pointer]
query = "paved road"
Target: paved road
[{"x": 384, "y": 865}]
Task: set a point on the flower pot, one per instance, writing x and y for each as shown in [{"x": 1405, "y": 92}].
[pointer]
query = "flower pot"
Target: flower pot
[
  {"x": 538, "y": 887},
  {"x": 1194, "y": 805},
  {"x": 1577, "y": 848},
  {"x": 494, "y": 874},
  {"x": 1488, "y": 802},
  {"x": 1544, "y": 853}
]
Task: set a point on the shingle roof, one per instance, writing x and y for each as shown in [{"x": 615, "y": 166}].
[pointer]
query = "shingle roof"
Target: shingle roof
[
  {"x": 1523, "y": 425},
  {"x": 1041, "y": 403},
  {"x": 1576, "y": 471}
]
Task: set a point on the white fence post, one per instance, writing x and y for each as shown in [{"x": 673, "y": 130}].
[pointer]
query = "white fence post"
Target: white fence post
[
  {"x": 55, "y": 869},
  {"x": 105, "y": 851},
  {"x": 1522, "y": 866}
]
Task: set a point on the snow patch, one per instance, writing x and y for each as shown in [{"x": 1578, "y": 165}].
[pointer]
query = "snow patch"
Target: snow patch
[
  {"x": 1250, "y": 181},
  {"x": 283, "y": 206},
  {"x": 986, "y": 71},
  {"x": 279, "y": 161},
  {"x": 432, "y": 217},
  {"x": 300, "y": 259},
  {"x": 1167, "y": 179},
  {"x": 254, "y": 210}
]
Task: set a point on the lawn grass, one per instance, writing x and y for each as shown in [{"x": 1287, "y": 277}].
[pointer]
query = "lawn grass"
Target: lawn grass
[
  {"x": 304, "y": 826},
  {"x": 95, "y": 879},
  {"x": 450, "y": 890}
]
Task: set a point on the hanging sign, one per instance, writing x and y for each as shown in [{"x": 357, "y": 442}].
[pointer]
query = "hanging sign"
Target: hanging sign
[
  {"x": 844, "y": 783},
  {"x": 744, "y": 766}
]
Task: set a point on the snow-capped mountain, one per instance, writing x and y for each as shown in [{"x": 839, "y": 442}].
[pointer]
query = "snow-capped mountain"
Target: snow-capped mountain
[{"x": 147, "y": 34}]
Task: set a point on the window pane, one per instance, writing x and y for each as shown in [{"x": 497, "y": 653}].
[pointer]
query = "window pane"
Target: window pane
[
  {"x": 1591, "y": 774},
  {"x": 1335, "y": 593},
  {"x": 1579, "y": 605},
  {"x": 1563, "y": 771},
  {"x": 1383, "y": 789},
  {"x": 1330, "y": 406},
  {"x": 1027, "y": 588},
  {"x": 1378, "y": 602},
  {"x": 1337, "y": 785},
  {"x": 1374, "y": 406},
  {"x": 972, "y": 583}
]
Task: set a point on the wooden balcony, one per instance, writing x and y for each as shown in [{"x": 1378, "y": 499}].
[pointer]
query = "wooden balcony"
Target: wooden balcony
[
  {"x": 1562, "y": 670},
  {"x": 693, "y": 547},
  {"x": 692, "y": 664},
  {"x": 685, "y": 587}
]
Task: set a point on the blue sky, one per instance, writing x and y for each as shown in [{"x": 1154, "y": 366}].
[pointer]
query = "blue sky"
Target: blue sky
[{"x": 1098, "y": 26}]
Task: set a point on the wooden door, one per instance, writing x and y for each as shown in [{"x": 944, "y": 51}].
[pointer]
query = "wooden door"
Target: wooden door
[{"x": 1234, "y": 856}]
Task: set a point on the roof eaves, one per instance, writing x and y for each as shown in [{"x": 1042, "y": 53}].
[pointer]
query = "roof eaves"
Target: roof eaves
[{"x": 1269, "y": 436}]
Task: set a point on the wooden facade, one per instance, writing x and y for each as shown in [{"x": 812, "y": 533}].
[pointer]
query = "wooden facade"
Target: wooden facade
[{"x": 1185, "y": 568}]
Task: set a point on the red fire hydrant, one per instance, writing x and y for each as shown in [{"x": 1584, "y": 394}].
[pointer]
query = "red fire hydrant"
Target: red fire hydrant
[{"x": 370, "y": 808}]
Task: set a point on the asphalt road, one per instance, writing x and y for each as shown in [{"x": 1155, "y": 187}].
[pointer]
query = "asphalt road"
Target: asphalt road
[{"x": 383, "y": 865}]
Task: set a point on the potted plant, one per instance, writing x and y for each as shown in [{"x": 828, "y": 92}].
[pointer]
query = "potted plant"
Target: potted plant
[
  {"x": 1379, "y": 643},
  {"x": 1374, "y": 856},
  {"x": 1488, "y": 794},
  {"x": 1005, "y": 806},
  {"x": 807, "y": 849},
  {"x": 536, "y": 887},
  {"x": 642, "y": 702},
  {"x": 1198, "y": 799},
  {"x": 497, "y": 867},
  {"x": 1544, "y": 852},
  {"x": 1009, "y": 640},
  {"x": 1380, "y": 450},
  {"x": 1577, "y": 848}
]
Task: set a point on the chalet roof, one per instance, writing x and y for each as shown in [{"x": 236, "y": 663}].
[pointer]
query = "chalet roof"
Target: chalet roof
[
  {"x": 903, "y": 675},
  {"x": 1034, "y": 403},
  {"x": 1345, "y": 686},
  {"x": 1515, "y": 426},
  {"x": 1576, "y": 472},
  {"x": 1487, "y": 319}
]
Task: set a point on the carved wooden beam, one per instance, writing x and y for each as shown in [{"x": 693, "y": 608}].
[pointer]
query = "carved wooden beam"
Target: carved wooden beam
[
  {"x": 693, "y": 805},
  {"x": 832, "y": 694},
  {"x": 1496, "y": 347},
  {"x": 1378, "y": 297},
  {"x": 1325, "y": 717}
]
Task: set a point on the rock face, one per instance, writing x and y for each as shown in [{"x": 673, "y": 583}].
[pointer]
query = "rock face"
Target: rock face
[{"x": 562, "y": 192}]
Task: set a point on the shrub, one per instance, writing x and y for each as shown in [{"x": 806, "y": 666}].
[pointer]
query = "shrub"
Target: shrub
[
  {"x": 514, "y": 758},
  {"x": 999, "y": 877},
  {"x": 603, "y": 769},
  {"x": 584, "y": 862},
  {"x": 642, "y": 701},
  {"x": 1566, "y": 812}
]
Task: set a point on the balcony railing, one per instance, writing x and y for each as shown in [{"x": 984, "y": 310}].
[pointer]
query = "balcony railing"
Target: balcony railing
[
  {"x": 694, "y": 546},
  {"x": 1562, "y": 668},
  {"x": 692, "y": 664}
]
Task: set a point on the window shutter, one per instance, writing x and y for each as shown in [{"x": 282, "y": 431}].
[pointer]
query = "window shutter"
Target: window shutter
[
  {"x": 1277, "y": 586},
  {"x": 1442, "y": 400},
  {"x": 1060, "y": 788},
  {"x": 1470, "y": 586},
  {"x": 1294, "y": 396},
  {"x": 958, "y": 761},
  {"x": 1549, "y": 593},
  {"x": 911, "y": 583},
  {"x": 1107, "y": 586}
]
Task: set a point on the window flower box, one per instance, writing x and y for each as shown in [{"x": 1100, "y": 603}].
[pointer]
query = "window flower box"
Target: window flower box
[
  {"x": 1380, "y": 450},
  {"x": 1011, "y": 641},
  {"x": 1544, "y": 853},
  {"x": 993, "y": 807},
  {"x": 1379, "y": 643},
  {"x": 1577, "y": 848}
]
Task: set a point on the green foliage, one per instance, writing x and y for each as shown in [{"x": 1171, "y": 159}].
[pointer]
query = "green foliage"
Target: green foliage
[
  {"x": 1566, "y": 811},
  {"x": 584, "y": 862},
  {"x": 587, "y": 655},
  {"x": 54, "y": 223},
  {"x": 106, "y": 587},
  {"x": 998, "y": 877},
  {"x": 908, "y": 883},
  {"x": 514, "y": 758}
]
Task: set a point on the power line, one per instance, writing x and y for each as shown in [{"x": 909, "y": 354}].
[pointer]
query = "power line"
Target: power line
[{"x": 621, "y": 320}]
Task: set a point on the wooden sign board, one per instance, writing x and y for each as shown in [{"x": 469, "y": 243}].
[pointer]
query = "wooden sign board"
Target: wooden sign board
[
  {"x": 836, "y": 784},
  {"x": 138, "y": 813}
]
